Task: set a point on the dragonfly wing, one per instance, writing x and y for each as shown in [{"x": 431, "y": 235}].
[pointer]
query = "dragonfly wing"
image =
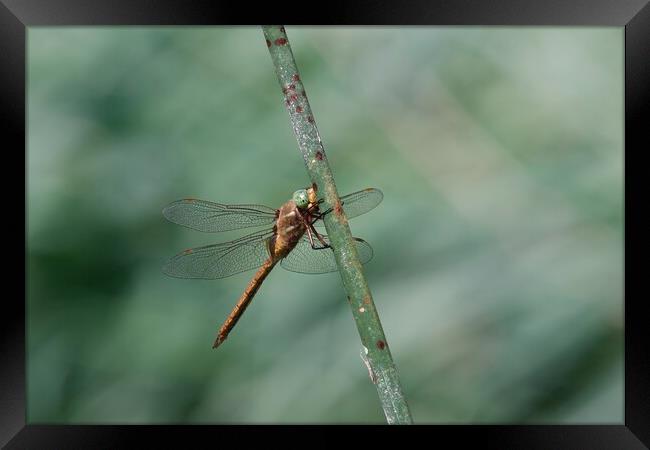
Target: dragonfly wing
[
  {"x": 221, "y": 260},
  {"x": 304, "y": 259},
  {"x": 360, "y": 202},
  {"x": 212, "y": 217}
]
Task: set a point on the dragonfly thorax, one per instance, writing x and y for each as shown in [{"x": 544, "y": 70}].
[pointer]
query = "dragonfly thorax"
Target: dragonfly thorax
[{"x": 289, "y": 227}]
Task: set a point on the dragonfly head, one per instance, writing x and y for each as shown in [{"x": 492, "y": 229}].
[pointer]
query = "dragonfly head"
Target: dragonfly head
[{"x": 301, "y": 198}]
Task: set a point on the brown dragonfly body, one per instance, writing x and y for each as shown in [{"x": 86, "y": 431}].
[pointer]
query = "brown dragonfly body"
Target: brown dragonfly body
[
  {"x": 290, "y": 227},
  {"x": 292, "y": 241}
]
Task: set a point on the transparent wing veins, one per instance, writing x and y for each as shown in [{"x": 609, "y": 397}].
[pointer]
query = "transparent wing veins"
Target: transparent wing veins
[
  {"x": 221, "y": 260},
  {"x": 213, "y": 217},
  {"x": 359, "y": 202},
  {"x": 304, "y": 259}
]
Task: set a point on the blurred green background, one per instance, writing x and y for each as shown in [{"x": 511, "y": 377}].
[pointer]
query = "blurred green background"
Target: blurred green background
[{"x": 498, "y": 246}]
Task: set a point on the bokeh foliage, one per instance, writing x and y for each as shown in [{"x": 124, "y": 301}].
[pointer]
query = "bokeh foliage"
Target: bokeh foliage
[{"x": 498, "y": 267}]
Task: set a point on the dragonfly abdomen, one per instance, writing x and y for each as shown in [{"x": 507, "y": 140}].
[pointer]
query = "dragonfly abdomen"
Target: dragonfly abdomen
[{"x": 244, "y": 300}]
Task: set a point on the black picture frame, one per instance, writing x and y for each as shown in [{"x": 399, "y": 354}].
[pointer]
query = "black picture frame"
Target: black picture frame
[{"x": 634, "y": 15}]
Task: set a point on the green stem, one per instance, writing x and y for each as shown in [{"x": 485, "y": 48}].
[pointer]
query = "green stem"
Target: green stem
[{"x": 376, "y": 352}]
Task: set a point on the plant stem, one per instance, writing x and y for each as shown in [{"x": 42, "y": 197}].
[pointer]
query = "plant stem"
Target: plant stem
[{"x": 376, "y": 352}]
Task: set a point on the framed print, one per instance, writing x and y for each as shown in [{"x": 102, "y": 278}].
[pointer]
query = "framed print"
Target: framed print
[{"x": 492, "y": 148}]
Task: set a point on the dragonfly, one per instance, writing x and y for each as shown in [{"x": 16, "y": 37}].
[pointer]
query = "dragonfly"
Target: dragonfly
[{"x": 289, "y": 237}]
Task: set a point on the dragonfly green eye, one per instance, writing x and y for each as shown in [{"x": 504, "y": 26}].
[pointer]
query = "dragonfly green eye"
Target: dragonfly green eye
[{"x": 301, "y": 199}]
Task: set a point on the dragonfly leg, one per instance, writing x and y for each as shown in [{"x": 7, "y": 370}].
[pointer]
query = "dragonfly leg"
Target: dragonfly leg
[
  {"x": 319, "y": 216},
  {"x": 319, "y": 237},
  {"x": 326, "y": 212},
  {"x": 310, "y": 228},
  {"x": 311, "y": 239},
  {"x": 314, "y": 213}
]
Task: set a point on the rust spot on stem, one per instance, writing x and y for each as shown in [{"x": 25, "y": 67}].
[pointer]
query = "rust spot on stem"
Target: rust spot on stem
[
  {"x": 280, "y": 41},
  {"x": 298, "y": 109},
  {"x": 381, "y": 344},
  {"x": 338, "y": 209},
  {"x": 366, "y": 300},
  {"x": 319, "y": 155},
  {"x": 295, "y": 77}
]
